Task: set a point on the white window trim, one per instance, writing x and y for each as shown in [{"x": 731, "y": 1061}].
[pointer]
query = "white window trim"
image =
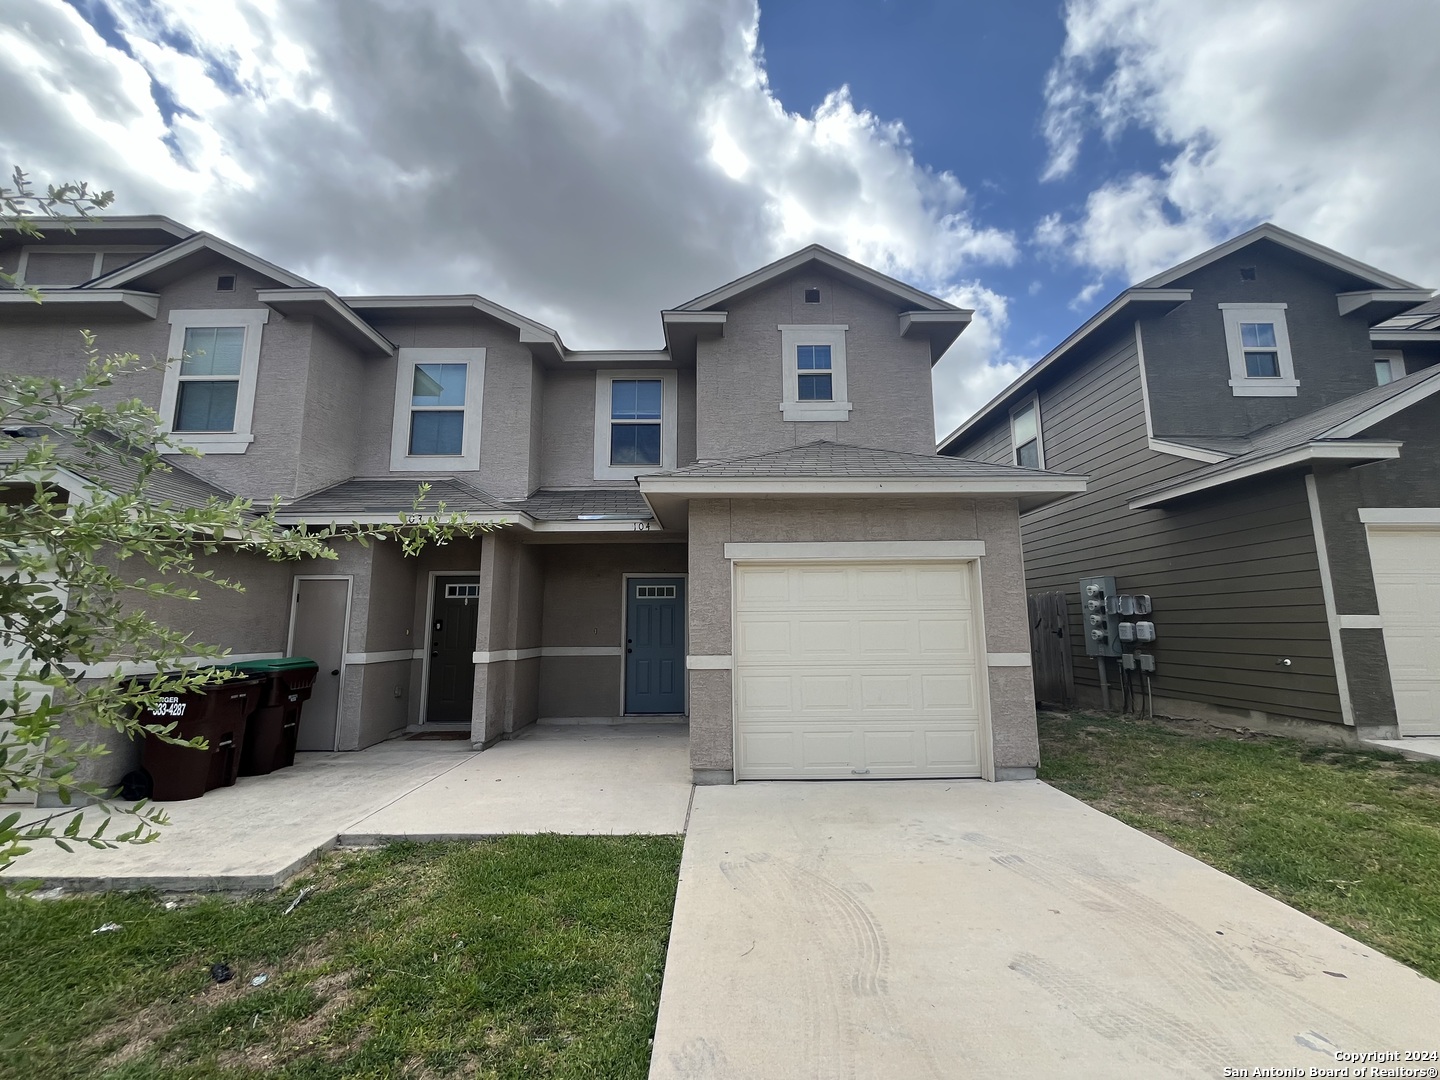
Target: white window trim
[
  {"x": 669, "y": 425},
  {"x": 1241, "y": 384},
  {"x": 1397, "y": 361},
  {"x": 791, "y": 407},
  {"x": 1033, "y": 399},
  {"x": 252, "y": 320},
  {"x": 468, "y": 460}
]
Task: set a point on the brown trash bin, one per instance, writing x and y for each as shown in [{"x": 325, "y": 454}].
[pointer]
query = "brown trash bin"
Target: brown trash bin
[
  {"x": 216, "y": 713},
  {"x": 274, "y": 726}
]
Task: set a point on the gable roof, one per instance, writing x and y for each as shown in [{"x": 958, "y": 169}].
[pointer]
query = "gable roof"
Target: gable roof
[
  {"x": 1329, "y": 432},
  {"x": 1286, "y": 239},
  {"x": 197, "y": 244},
  {"x": 898, "y": 290},
  {"x": 531, "y": 332}
]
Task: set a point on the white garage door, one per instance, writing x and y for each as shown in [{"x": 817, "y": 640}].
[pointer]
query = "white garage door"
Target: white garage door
[
  {"x": 1406, "y": 562},
  {"x": 856, "y": 670}
]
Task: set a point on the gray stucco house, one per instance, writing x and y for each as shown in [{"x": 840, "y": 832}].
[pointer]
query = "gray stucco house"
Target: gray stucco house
[
  {"x": 748, "y": 528},
  {"x": 1261, "y": 433}
]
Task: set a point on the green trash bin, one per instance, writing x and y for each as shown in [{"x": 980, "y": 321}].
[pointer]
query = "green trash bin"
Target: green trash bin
[
  {"x": 271, "y": 731},
  {"x": 217, "y": 713}
]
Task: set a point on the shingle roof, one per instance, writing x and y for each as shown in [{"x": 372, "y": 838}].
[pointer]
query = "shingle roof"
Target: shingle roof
[
  {"x": 577, "y": 504},
  {"x": 393, "y": 497},
  {"x": 114, "y": 471},
  {"x": 824, "y": 459},
  {"x": 1318, "y": 426},
  {"x": 1424, "y": 316}
]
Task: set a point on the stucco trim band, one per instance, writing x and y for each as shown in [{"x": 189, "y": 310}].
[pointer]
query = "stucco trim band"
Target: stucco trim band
[
  {"x": 1007, "y": 659},
  {"x": 709, "y": 663}
]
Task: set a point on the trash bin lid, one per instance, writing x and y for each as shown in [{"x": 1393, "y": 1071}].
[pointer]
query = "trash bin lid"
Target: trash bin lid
[{"x": 270, "y": 667}]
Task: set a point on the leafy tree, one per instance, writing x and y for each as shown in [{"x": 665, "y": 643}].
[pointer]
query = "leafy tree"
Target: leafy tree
[{"x": 80, "y": 562}]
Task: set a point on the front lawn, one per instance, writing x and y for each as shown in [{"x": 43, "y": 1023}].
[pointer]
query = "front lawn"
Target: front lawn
[
  {"x": 1350, "y": 837},
  {"x": 525, "y": 956}
]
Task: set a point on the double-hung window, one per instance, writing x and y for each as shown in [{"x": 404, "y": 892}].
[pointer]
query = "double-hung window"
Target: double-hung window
[
  {"x": 438, "y": 398},
  {"x": 1258, "y": 344},
  {"x": 208, "y": 399},
  {"x": 1025, "y": 434},
  {"x": 636, "y": 409},
  {"x": 635, "y": 423},
  {"x": 813, "y": 381}
]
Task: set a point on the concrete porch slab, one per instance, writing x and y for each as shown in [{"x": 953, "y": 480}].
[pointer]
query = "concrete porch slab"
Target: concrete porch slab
[
  {"x": 580, "y": 780},
  {"x": 930, "y": 929},
  {"x": 258, "y": 833}
]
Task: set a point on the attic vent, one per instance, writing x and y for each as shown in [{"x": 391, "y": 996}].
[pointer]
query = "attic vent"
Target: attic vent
[
  {"x": 812, "y": 296},
  {"x": 1247, "y": 273},
  {"x": 225, "y": 283}
]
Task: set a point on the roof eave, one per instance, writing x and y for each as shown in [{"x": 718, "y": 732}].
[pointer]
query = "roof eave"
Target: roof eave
[
  {"x": 322, "y": 304},
  {"x": 539, "y": 337},
  {"x": 132, "y": 300},
  {"x": 1163, "y": 300},
  {"x": 940, "y": 328},
  {"x": 1352, "y": 451},
  {"x": 1377, "y": 305},
  {"x": 193, "y": 245}
]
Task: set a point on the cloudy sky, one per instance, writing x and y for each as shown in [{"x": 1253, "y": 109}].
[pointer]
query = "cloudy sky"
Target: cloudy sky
[{"x": 588, "y": 162}]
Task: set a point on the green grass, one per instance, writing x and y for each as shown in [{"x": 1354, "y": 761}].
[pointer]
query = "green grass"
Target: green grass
[
  {"x": 525, "y": 956},
  {"x": 1350, "y": 837}
]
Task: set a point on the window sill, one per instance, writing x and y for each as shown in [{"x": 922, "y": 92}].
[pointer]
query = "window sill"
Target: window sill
[
  {"x": 815, "y": 410},
  {"x": 211, "y": 442},
  {"x": 1265, "y": 387},
  {"x": 435, "y": 464}
]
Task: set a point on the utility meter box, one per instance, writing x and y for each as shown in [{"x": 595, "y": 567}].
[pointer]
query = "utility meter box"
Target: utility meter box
[{"x": 1100, "y": 616}]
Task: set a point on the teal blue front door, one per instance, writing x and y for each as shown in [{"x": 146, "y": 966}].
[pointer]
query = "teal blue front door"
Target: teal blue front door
[{"x": 655, "y": 645}]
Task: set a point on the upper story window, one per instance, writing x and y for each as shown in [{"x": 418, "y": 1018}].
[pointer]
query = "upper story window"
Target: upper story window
[
  {"x": 438, "y": 399},
  {"x": 208, "y": 399},
  {"x": 813, "y": 381},
  {"x": 1389, "y": 366},
  {"x": 1258, "y": 344},
  {"x": 636, "y": 427},
  {"x": 1025, "y": 434}
]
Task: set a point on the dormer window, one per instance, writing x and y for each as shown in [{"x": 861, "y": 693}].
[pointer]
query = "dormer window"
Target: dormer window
[
  {"x": 813, "y": 381},
  {"x": 1258, "y": 344},
  {"x": 438, "y": 398},
  {"x": 208, "y": 398}
]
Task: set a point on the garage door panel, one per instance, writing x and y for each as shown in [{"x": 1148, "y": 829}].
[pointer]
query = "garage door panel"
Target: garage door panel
[
  {"x": 856, "y": 670},
  {"x": 1406, "y": 566}
]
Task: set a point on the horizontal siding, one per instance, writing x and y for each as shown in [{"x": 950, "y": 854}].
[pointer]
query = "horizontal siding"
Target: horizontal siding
[
  {"x": 992, "y": 444},
  {"x": 1235, "y": 579}
]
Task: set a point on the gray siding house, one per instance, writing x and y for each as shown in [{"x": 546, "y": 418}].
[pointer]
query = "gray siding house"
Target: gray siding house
[
  {"x": 748, "y": 529},
  {"x": 1261, "y": 433}
]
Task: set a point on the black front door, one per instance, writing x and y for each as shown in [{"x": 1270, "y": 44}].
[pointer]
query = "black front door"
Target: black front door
[
  {"x": 655, "y": 645},
  {"x": 455, "y": 614}
]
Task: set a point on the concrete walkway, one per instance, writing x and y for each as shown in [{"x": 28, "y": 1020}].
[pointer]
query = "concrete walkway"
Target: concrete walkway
[
  {"x": 881, "y": 930},
  {"x": 255, "y": 835}
]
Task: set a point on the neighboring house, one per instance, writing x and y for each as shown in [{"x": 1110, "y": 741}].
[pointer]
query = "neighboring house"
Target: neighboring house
[
  {"x": 1261, "y": 433},
  {"x": 749, "y": 527}
]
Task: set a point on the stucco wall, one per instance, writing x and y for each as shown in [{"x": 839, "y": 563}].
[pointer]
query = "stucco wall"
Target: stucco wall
[
  {"x": 716, "y": 522},
  {"x": 738, "y": 375}
]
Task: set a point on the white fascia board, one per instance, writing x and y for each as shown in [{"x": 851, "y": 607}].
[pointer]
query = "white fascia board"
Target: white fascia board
[
  {"x": 1193, "y": 453},
  {"x": 1285, "y": 238},
  {"x": 858, "y": 551},
  {"x": 142, "y": 303},
  {"x": 1376, "y": 450},
  {"x": 622, "y": 525},
  {"x": 186, "y": 248},
  {"x": 1402, "y": 336},
  {"x": 1400, "y": 515},
  {"x": 1099, "y": 319},
  {"x": 1354, "y": 301},
  {"x": 121, "y": 222},
  {"x": 1387, "y": 408},
  {"x": 280, "y": 298},
  {"x": 693, "y": 318},
  {"x": 531, "y": 332},
  {"x": 816, "y": 253},
  {"x": 713, "y": 487},
  {"x": 609, "y": 358}
]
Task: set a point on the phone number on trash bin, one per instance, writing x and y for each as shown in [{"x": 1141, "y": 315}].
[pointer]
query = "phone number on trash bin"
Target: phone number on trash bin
[{"x": 169, "y": 706}]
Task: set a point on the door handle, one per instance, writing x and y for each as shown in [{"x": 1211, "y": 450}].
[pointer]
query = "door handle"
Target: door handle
[{"x": 335, "y": 672}]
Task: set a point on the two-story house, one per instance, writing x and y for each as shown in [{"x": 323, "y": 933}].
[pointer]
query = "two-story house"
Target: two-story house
[
  {"x": 748, "y": 528},
  {"x": 1262, "y": 437}
]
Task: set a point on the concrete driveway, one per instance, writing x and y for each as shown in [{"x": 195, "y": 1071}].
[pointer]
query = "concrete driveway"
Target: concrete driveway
[
  {"x": 564, "y": 779},
  {"x": 968, "y": 929}
]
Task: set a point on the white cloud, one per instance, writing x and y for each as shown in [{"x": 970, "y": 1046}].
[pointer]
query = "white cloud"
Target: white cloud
[
  {"x": 976, "y": 367},
  {"x": 384, "y": 145},
  {"x": 1315, "y": 114}
]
